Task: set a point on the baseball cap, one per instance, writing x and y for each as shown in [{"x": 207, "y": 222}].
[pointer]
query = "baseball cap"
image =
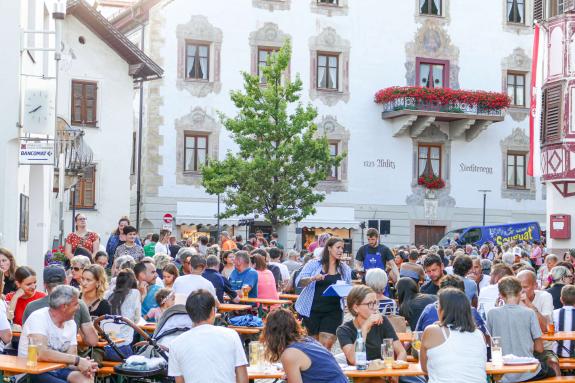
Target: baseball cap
[{"x": 54, "y": 274}]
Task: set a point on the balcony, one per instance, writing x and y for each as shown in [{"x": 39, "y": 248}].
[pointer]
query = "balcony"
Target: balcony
[
  {"x": 77, "y": 154},
  {"x": 458, "y": 114}
]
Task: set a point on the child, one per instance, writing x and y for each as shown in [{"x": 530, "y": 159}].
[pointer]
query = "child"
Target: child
[
  {"x": 130, "y": 247},
  {"x": 165, "y": 299},
  {"x": 564, "y": 320}
]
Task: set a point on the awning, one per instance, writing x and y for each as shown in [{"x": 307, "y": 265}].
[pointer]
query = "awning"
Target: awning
[
  {"x": 201, "y": 213},
  {"x": 332, "y": 218}
]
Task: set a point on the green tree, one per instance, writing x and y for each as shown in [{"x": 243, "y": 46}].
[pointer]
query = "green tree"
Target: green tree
[{"x": 281, "y": 158}]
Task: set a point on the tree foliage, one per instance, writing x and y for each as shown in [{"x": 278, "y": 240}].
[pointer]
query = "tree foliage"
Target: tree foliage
[{"x": 281, "y": 158}]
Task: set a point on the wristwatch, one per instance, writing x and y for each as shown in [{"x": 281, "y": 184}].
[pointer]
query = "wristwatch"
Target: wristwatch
[{"x": 77, "y": 361}]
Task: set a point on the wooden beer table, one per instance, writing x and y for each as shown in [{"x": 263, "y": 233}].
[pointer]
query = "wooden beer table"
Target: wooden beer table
[
  {"x": 13, "y": 365},
  {"x": 559, "y": 335},
  {"x": 227, "y": 307},
  {"x": 266, "y": 302},
  {"x": 289, "y": 297}
]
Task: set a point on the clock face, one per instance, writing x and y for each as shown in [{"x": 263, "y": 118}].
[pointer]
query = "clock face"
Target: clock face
[{"x": 38, "y": 107}]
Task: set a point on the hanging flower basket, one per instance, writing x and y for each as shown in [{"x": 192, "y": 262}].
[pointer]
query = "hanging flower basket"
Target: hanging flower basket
[
  {"x": 55, "y": 257},
  {"x": 431, "y": 182}
]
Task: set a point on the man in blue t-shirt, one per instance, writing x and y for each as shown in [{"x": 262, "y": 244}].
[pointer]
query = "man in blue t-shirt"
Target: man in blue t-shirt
[
  {"x": 145, "y": 272},
  {"x": 244, "y": 275}
]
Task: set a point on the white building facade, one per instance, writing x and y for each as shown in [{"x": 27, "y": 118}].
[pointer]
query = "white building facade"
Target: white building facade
[{"x": 345, "y": 51}]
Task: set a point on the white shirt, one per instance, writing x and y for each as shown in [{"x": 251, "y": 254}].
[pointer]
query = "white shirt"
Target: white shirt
[
  {"x": 184, "y": 285},
  {"x": 207, "y": 353},
  {"x": 4, "y": 324},
  {"x": 488, "y": 297},
  {"x": 543, "y": 302},
  {"x": 40, "y": 323},
  {"x": 283, "y": 270},
  {"x": 162, "y": 248},
  {"x": 484, "y": 282}
]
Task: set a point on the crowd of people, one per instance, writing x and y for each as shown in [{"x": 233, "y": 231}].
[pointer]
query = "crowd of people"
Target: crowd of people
[{"x": 459, "y": 297}]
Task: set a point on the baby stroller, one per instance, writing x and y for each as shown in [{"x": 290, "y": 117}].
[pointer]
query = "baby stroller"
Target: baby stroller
[
  {"x": 173, "y": 322},
  {"x": 147, "y": 348}
]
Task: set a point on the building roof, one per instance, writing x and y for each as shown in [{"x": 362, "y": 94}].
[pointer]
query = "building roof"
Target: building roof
[
  {"x": 142, "y": 67},
  {"x": 131, "y": 17}
]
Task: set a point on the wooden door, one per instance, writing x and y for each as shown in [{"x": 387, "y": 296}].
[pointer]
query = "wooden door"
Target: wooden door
[{"x": 428, "y": 235}]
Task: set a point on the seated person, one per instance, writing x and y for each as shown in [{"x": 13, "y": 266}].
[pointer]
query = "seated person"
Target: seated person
[
  {"x": 53, "y": 330},
  {"x": 165, "y": 298},
  {"x": 26, "y": 293},
  {"x": 412, "y": 269},
  {"x": 188, "y": 283},
  {"x": 518, "y": 328},
  {"x": 221, "y": 283},
  {"x": 564, "y": 320},
  {"x": 429, "y": 314},
  {"x": 376, "y": 279},
  {"x": 244, "y": 276}
]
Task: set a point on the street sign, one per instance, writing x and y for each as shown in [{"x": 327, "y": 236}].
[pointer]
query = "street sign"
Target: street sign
[
  {"x": 168, "y": 218},
  {"x": 34, "y": 152},
  {"x": 167, "y": 226}
]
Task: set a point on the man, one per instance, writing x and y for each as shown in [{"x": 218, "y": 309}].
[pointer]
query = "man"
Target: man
[
  {"x": 203, "y": 247},
  {"x": 434, "y": 270},
  {"x": 146, "y": 276},
  {"x": 243, "y": 276},
  {"x": 221, "y": 284},
  {"x": 540, "y": 302},
  {"x": 518, "y": 328},
  {"x": 150, "y": 248},
  {"x": 468, "y": 249},
  {"x": 462, "y": 265},
  {"x": 239, "y": 242},
  {"x": 275, "y": 260},
  {"x": 275, "y": 239},
  {"x": 55, "y": 276},
  {"x": 489, "y": 295},
  {"x": 173, "y": 246},
  {"x": 53, "y": 329},
  {"x": 564, "y": 320},
  {"x": 550, "y": 262},
  {"x": 162, "y": 246},
  {"x": 378, "y": 255},
  {"x": 207, "y": 353},
  {"x": 226, "y": 243},
  {"x": 187, "y": 284},
  {"x": 130, "y": 247},
  {"x": 292, "y": 262},
  {"x": 411, "y": 268}
]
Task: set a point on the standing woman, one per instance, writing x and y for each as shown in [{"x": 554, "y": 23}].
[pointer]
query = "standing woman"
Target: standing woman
[
  {"x": 453, "y": 343},
  {"x": 81, "y": 237},
  {"x": 228, "y": 259},
  {"x": 8, "y": 267},
  {"x": 94, "y": 285},
  {"x": 26, "y": 293},
  {"x": 323, "y": 315},
  {"x": 117, "y": 238},
  {"x": 303, "y": 359}
]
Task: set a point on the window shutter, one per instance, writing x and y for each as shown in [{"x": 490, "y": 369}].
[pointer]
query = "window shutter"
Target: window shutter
[
  {"x": 542, "y": 116},
  {"x": 538, "y": 10},
  {"x": 552, "y": 112}
]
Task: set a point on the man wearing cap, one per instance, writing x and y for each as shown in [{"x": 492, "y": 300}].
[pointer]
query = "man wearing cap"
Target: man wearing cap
[{"x": 55, "y": 276}]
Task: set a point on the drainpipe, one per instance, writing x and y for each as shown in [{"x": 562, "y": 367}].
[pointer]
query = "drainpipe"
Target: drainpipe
[{"x": 140, "y": 130}]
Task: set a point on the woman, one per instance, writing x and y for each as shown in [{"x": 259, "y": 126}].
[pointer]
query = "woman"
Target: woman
[
  {"x": 8, "y": 267},
  {"x": 81, "y": 237},
  {"x": 77, "y": 265},
  {"x": 266, "y": 281},
  {"x": 303, "y": 359},
  {"x": 161, "y": 261},
  {"x": 228, "y": 259},
  {"x": 169, "y": 274},
  {"x": 560, "y": 276},
  {"x": 121, "y": 263},
  {"x": 124, "y": 301},
  {"x": 411, "y": 301},
  {"x": 323, "y": 314},
  {"x": 101, "y": 258},
  {"x": 94, "y": 285},
  {"x": 376, "y": 279},
  {"x": 322, "y": 240},
  {"x": 26, "y": 282},
  {"x": 363, "y": 305},
  {"x": 117, "y": 238},
  {"x": 453, "y": 343}
]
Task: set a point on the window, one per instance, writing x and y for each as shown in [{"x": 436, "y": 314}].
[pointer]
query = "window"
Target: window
[
  {"x": 197, "y": 61},
  {"x": 516, "y": 170},
  {"x": 516, "y": 11},
  {"x": 472, "y": 236},
  {"x": 85, "y": 196},
  {"x": 429, "y": 160},
  {"x": 556, "y": 7},
  {"x": 327, "y": 71},
  {"x": 516, "y": 88},
  {"x": 84, "y": 100},
  {"x": 333, "y": 151},
  {"x": 195, "y": 152},
  {"x": 263, "y": 54},
  {"x": 430, "y": 7},
  {"x": 432, "y": 73},
  {"x": 551, "y": 113},
  {"x": 328, "y": 2}
]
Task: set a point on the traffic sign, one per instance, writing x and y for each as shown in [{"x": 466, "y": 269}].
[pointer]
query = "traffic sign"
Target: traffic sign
[{"x": 168, "y": 218}]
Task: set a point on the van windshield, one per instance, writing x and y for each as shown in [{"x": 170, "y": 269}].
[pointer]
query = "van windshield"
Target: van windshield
[{"x": 450, "y": 236}]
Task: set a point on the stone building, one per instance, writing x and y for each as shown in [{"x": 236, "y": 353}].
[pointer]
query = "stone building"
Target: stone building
[{"x": 345, "y": 51}]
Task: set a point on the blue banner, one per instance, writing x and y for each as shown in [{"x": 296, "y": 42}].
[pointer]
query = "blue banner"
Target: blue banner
[{"x": 527, "y": 231}]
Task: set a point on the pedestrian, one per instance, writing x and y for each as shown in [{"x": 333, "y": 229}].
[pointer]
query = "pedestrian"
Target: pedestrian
[{"x": 81, "y": 237}]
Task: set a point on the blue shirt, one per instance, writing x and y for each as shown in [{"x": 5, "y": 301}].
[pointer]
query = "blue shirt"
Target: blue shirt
[
  {"x": 429, "y": 316},
  {"x": 470, "y": 288},
  {"x": 221, "y": 284},
  {"x": 248, "y": 277},
  {"x": 149, "y": 301}
]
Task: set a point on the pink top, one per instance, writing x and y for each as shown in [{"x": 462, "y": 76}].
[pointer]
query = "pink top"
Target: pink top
[
  {"x": 536, "y": 255},
  {"x": 267, "y": 285}
]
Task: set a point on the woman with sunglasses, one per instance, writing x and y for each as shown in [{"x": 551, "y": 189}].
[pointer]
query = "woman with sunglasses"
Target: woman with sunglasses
[
  {"x": 363, "y": 305},
  {"x": 78, "y": 264},
  {"x": 560, "y": 276},
  {"x": 81, "y": 237}
]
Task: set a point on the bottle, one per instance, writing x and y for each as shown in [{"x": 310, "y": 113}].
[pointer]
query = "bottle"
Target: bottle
[{"x": 360, "y": 354}]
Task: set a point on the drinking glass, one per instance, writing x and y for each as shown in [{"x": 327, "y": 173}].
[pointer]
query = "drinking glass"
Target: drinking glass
[
  {"x": 496, "y": 352},
  {"x": 416, "y": 340},
  {"x": 387, "y": 353},
  {"x": 256, "y": 354},
  {"x": 32, "y": 361}
]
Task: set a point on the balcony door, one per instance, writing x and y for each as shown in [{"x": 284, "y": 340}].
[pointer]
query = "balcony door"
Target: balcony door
[{"x": 431, "y": 73}]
